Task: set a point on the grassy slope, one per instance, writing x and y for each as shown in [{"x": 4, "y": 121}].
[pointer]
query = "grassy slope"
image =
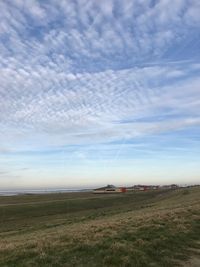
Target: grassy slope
[{"x": 81, "y": 229}]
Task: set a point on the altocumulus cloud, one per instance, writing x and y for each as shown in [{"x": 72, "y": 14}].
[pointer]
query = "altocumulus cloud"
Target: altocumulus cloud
[{"x": 92, "y": 72}]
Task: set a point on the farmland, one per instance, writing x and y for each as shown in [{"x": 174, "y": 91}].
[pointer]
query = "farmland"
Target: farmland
[{"x": 155, "y": 228}]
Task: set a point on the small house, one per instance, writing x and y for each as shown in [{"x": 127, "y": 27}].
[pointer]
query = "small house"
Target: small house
[{"x": 109, "y": 189}]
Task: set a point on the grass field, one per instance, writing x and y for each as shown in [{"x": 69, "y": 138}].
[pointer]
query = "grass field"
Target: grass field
[{"x": 158, "y": 228}]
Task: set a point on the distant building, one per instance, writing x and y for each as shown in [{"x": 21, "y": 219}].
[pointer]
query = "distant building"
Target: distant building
[
  {"x": 171, "y": 186},
  {"x": 142, "y": 187},
  {"x": 174, "y": 186},
  {"x": 109, "y": 189}
]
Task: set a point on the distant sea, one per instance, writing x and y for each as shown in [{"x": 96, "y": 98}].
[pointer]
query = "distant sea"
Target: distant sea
[{"x": 39, "y": 191}]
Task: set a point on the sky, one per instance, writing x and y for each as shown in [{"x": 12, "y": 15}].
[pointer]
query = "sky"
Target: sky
[{"x": 96, "y": 92}]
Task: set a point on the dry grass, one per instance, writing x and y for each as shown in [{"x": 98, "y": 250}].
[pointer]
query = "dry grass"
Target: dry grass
[{"x": 157, "y": 234}]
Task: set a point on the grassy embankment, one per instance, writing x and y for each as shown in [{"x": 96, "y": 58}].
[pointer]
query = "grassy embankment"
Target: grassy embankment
[{"x": 160, "y": 228}]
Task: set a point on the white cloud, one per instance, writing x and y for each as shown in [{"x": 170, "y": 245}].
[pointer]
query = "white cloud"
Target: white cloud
[
  {"x": 63, "y": 68},
  {"x": 90, "y": 107},
  {"x": 95, "y": 30}
]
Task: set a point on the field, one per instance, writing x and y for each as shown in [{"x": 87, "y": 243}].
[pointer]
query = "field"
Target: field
[{"x": 155, "y": 228}]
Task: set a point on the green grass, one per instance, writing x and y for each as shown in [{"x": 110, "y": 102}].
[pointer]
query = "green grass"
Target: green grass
[{"x": 157, "y": 228}]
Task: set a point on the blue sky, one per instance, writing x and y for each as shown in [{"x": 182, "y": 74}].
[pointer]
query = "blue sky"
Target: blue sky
[{"x": 95, "y": 92}]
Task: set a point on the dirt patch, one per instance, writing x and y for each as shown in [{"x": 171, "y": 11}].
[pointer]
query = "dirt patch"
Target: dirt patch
[{"x": 193, "y": 262}]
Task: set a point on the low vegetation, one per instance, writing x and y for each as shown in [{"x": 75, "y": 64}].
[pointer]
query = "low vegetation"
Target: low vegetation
[{"x": 156, "y": 228}]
